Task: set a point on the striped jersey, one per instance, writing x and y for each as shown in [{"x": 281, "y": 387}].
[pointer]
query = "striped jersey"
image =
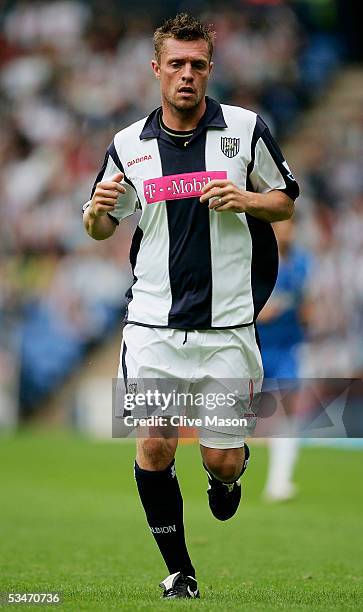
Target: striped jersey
[{"x": 195, "y": 268}]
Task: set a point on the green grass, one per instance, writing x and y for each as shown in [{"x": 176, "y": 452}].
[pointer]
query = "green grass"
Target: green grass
[{"x": 70, "y": 522}]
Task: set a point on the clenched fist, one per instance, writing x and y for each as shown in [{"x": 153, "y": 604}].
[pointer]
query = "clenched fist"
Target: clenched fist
[{"x": 105, "y": 196}]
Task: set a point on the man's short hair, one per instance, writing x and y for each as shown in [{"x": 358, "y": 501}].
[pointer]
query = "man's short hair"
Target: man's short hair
[{"x": 183, "y": 27}]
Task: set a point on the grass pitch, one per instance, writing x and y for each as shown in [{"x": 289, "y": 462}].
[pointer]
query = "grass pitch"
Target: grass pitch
[{"x": 70, "y": 522}]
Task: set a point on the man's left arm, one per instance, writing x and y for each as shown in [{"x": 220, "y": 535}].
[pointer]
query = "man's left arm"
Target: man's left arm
[
  {"x": 271, "y": 206},
  {"x": 271, "y": 187}
]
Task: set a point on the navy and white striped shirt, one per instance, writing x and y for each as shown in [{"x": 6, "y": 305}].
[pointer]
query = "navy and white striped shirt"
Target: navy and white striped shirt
[{"x": 195, "y": 268}]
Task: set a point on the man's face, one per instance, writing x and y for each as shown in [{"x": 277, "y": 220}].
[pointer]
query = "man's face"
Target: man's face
[{"x": 183, "y": 70}]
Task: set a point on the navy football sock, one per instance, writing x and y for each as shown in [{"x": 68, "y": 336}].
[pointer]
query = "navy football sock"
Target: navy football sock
[{"x": 163, "y": 504}]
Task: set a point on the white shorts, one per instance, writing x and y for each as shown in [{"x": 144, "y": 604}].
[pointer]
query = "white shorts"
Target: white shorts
[{"x": 200, "y": 363}]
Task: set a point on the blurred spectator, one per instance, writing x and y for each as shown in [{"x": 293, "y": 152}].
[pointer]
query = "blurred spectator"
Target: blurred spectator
[{"x": 281, "y": 327}]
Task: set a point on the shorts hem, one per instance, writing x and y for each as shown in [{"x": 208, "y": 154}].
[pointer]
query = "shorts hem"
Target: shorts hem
[
  {"x": 224, "y": 444},
  {"x": 209, "y": 328}
]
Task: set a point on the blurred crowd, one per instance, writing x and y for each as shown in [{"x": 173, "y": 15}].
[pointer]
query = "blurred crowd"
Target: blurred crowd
[
  {"x": 72, "y": 73},
  {"x": 330, "y": 212}
]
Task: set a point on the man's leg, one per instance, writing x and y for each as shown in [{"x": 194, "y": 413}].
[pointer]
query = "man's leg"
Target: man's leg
[
  {"x": 162, "y": 500},
  {"x": 224, "y": 467},
  {"x": 224, "y": 464},
  {"x": 283, "y": 369},
  {"x": 154, "y": 466},
  {"x": 283, "y": 453},
  {"x": 227, "y": 354}
]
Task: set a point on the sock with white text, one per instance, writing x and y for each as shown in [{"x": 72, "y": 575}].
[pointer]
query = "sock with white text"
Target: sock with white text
[{"x": 163, "y": 504}]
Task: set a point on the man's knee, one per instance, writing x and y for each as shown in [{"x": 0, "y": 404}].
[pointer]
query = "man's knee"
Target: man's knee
[
  {"x": 155, "y": 453},
  {"x": 224, "y": 464}
]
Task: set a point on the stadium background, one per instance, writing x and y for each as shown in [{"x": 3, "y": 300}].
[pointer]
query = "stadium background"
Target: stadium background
[{"x": 71, "y": 74}]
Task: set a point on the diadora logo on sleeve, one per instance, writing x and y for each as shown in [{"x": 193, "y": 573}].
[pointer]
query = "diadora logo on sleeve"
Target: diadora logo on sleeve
[
  {"x": 138, "y": 160},
  {"x": 179, "y": 186}
]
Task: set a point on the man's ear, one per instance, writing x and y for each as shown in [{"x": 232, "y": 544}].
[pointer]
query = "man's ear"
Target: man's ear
[
  {"x": 156, "y": 68},
  {"x": 211, "y": 64}
]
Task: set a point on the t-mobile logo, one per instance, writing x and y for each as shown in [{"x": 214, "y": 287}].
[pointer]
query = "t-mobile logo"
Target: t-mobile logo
[
  {"x": 150, "y": 191},
  {"x": 179, "y": 186}
]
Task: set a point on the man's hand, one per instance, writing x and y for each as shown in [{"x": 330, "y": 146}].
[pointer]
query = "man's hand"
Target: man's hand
[
  {"x": 95, "y": 218},
  {"x": 223, "y": 195},
  {"x": 105, "y": 196},
  {"x": 226, "y": 196}
]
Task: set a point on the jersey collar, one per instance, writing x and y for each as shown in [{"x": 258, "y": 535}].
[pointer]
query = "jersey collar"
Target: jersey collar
[{"x": 212, "y": 118}]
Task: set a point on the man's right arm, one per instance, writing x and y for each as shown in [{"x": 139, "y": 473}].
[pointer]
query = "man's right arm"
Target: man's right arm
[{"x": 96, "y": 220}]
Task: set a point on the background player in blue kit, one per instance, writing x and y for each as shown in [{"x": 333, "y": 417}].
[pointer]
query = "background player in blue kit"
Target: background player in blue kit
[
  {"x": 281, "y": 328},
  {"x": 204, "y": 263}
]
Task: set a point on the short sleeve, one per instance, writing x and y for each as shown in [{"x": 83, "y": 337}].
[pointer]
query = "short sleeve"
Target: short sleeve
[
  {"x": 268, "y": 168},
  {"x": 127, "y": 202}
]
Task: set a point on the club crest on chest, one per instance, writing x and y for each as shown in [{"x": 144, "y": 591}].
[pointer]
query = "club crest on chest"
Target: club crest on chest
[
  {"x": 132, "y": 388},
  {"x": 230, "y": 146}
]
